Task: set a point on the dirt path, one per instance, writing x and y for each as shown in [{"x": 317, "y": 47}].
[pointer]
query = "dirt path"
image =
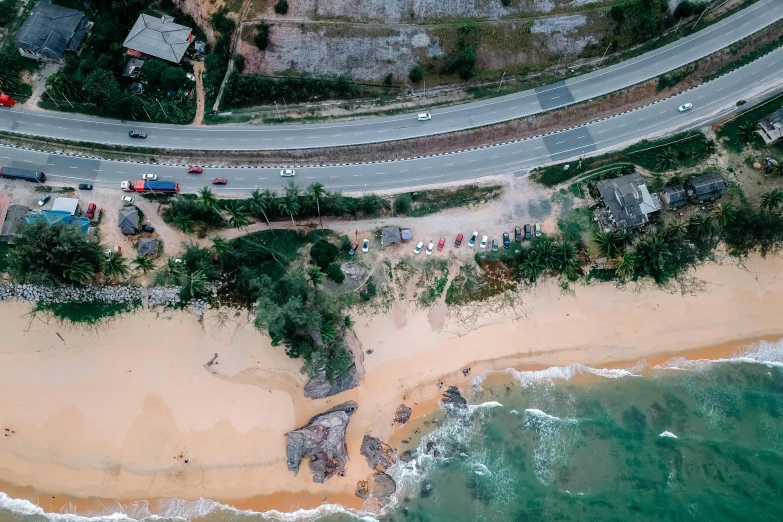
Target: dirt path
[{"x": 198, "y": 70}]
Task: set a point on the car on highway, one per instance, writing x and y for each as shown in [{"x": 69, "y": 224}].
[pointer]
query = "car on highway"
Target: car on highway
[
  {"x": 441, "y": 244},
  {"x": 418, "y": 247},
  {"x": 287, "y": 173},
  {"x": 538, "y": 229},
  {"x": 91, "y": 210},
  {"x": 458, "y": 241},
  {"x": 352, "y": 251},
  {"x": 494, "y": 245},
  {"x": 137, "y": 134},
  {"x": 44, "y": 200},
  {"x": 85, "y": 186},
  {"x": 506, "y": 240},
  {"x": 429, "y": 248},
  {"x": 219, "y": 181},
  {"x": 685, "y": 107},
  {"x": 424, "y": 116},
  {"x": 528, "y": 231},
  {"x": 472, "y": 240},
  {"x": 149, "y": 177},
  {"x": 483, "y": 243},
  {"x": 127, "y": 200},
  {"x": 148, "y": 228},
  {"x": 517, "y": 233},
  {"x": 366, "y": 246},
  {"x": 195, "y": 170}
]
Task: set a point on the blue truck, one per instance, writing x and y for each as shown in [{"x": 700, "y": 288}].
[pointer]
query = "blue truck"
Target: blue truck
[
  {"x": 23, "y": 174},
  {"x": 143, "y": 185}
]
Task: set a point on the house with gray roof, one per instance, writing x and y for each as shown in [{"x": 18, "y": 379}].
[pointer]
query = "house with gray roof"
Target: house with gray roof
[
  {"x": 129, "y": 220},
  {"x": 674, "y": 196},
  {"x": 627, "y": 201},
  {"x": 159, "y": 37},
  {"x": 50, "y": 30},
  {"x": 707, "y": 187},
  {"x": 771, "y": 127},
  {"x": 148, "y": 246}
]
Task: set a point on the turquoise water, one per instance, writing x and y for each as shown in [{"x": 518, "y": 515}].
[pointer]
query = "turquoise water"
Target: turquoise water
[{"x": 687, "y": 441}]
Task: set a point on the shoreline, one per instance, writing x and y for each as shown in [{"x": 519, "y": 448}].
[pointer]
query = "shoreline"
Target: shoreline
[{"x": 102, "y": 415}]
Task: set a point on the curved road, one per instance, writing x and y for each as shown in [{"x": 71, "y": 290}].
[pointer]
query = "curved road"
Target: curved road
[
  {"x": 710, "y": 101},
  {"x": 495, "y": 110}
]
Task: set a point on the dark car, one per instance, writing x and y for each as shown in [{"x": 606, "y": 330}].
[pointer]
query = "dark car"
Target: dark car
[
  {"x": 494, "y": 245},
  {"x": 506, "y": 240},
  {"x": 219, "y": 181},
  {"x": 85, "y": 186},
  {"x": 352, "y": 251},
  {"x": 148, "y": 228},
  {"x": 458, "y": 242},
  {"x": 517, "y": 233},
  {"x": 44, "y": 200},
  {"x": 137, "y": 134},
  {"x": 195, "y": 170},
  {"x": 528, "y": 232},
  {"x": 91, "y": 210}
]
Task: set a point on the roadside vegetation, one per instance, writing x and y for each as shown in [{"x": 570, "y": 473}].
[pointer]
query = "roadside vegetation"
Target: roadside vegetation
[{"x": 740, "y": 132}]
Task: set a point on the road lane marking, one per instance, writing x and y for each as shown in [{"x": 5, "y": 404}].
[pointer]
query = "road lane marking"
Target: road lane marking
[
  {"x": 493, "y": 157},
  {"x": 406, "y": 170},
  {"x": 599, "y": 132},
  {"x": 357, "y": 175},
  {"x": 540, "y": 147},
  {"x": 623, "y": 125},
  {"x": 30, "y": 161},
  {"x": 449, "y": 164},
  {"x": 332, "y": 177}
]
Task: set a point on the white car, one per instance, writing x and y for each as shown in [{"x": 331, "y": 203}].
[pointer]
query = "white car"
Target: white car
[
  {"x": 366, "y": 245},
  {"x": 685, "y": 107},
  {"x": 418, "y": 248},
  {"x": 149, "y": 177},
  {"x": 537, "y": 228},
  {"x": 483, "y": 243},
  {"x": 472, "y": 240},
  {"x": 287, "y": 173},
  {"x": 424, "y": 116},
  {"x": 430, "y": 247},
  {"x": 127, "y": 200}
]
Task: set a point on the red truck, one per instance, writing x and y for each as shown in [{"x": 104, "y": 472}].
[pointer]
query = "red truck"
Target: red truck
[
  {"x": 141, "y": 185},
  {"x": 6, "y": 100}
]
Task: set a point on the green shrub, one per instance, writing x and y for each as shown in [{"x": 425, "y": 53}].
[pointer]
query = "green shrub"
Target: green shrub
[
  {"x": 281, "y": 7},
  {"x": 403, "y": 203},
  {"x": 261, "y": 39},
  {"x": 369, "y": 292},
  {"x": 244, "y": 90},
  {"x": 323, "y": 253},
  {"x": 335, "y": 273},
  {"x": 463, "y": 63},
  {"x": 388, "y": 79},
  {"x": 506, "y": 3},
  {"x": 239, "y": 62},
  {"x": 222, "y": 23},
  {"x": 417, "y": 74}
]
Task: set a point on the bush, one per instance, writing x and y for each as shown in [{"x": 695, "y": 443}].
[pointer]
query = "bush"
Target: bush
[
  {"x": 323, "y": 253},
  {"x": 506, "y": 3},
  {"x": 463, "y": 63},
  {"x": 172, "y": 78},
  {"x": 335, "y": 273},
  {"x": 281, "y": 7},
  {"x": 261, "y": 39},
  {"x": 388, "y": 79},
  {"x": 688, "y": 8},
  {"x": 186, "y": 213},
  {"x": 239, "y": 62},
  {"x": 244, "y": 90},
  {"x": 417, "y": 74},
  {"x": 8, "y": 9},
  {"x": 222, "y": 23},
  {"x": 369, "y": 292},
  {"x": 403, "y": 203}
]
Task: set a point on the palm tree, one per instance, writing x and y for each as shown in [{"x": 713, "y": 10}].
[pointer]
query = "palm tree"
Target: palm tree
[
  {"x": 348, "y": 322},
  {"x": 61, "y": 84},
  {"x": 171, "y": 271},
  {"x": 701, "y": 226},
  {"x": 667, "y": 159},
  {"x": 724, "y": 213},
  {"x": 316, "y": 276},
  {"x": 624, "y": 265},
  {"x": 261, "y": 202},
  {"x": 610, "y": 243},
  {"x": 220, "y": 246},
  {"x": 652, "y": 254},
  {"x": 195, "y": 283},
  {"x": 115, "y": 266},
  {"x": 747, "y": 131},
  {"x": 564, "y": 259},
  {"x": 776, "y": 169},
  {"x": 545, "y": 250},
  {"x": 208, "y": 198},
  {"x": 772, "y": 200},
  {"x": 289, "y": 204},
  {"x": 676, "y": 229},
  {"x": 317, "y": 191},
  {"x": 532, "y": 267},
  {"x": 79, "y": 271},
  {"x": 144, "y": 264},
  {"x": 708, "y": 148},
  {"x": 184, "y": 223},
  {"x": 238, "y": 216}
]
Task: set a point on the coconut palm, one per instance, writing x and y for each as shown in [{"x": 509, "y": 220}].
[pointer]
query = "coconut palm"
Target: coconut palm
[
  {"x": 315, "y": 275},
  {"x": 348, "y": 322},
  {"x": 624, "y": 265},
  {"x": 194, "y": 283},
  {"x": 220, "y": 246},
  {"x": 667, "y": 159},
  {"x": 772, "y": 200},
  {"x": 207, "y": 198},
  {"x": 260, "y": 202},
  {"x": 532, "y": 267},
  {"x": 238, "y": 215},
  {"x": 701, "y": 226},
  {"x": 184, "y": 223},
  {"x": 545, "y": 250},
  {"x": 746, "y": 132},
  {"x": 724, "y": 213},
  {"x": 708, "y": 148},
  {"x": 675, "y": 230},
  {"x": 776, "y": 169},
  {"x": 172, "y": 271},
  {"x": 610, "y": 243},
  {"x": 317, "y": 191},
  {"x": 115, "y": 266},
  {"x": 289, "y": 204},
  {"x": 651, "y": 254},
  {"x": 144, "y": 264},
  {"x": 564, "y": 259},
  {"x": 79, "y": 271},
  {"x": 61, "y": 84}
]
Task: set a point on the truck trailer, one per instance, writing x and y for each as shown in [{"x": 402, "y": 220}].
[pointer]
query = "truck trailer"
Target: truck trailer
[
  {"x": 23, "y": 174},
  {"x": 141, "y": 185}
]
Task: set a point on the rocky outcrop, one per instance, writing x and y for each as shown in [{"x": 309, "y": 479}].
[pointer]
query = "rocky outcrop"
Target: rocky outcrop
[
  {"x": 322, "y": 440},
  {"x": 383, "y": 487},
  {"x": 454, "y": 397},
  {"x": 362, "y": 489},
  {"x": 320, "y": 387},
  {"x": 402, "y": 415},
  {"x": 406, "y": 456},
  {"x": 378, "y": 453}
]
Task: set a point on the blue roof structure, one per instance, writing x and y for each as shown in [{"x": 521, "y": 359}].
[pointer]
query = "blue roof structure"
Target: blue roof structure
[{"x": 56, "y": 217}]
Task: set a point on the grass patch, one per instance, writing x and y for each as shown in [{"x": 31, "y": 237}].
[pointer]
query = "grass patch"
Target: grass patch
[
  {"x": 91, "y": 313},
  {"x": 729, "y": 133},
  {"x": 433, "y": 279},
  {"x": 425, "y": 202},
  {"x": 259, "y": 250},
  {"x": 54, "y": 190},
  {"x": 472, "y": 286}
]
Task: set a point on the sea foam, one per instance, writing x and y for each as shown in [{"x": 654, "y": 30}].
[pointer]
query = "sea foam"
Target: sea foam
[{"x": 668, "y": 434}]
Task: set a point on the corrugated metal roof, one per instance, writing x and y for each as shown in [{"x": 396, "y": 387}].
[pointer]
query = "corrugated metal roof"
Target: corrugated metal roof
[
  {"x": 51, "y": 30},
  {"x": 159, "y": 37}
]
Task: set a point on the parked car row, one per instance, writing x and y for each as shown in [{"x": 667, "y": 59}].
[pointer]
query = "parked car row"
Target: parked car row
[{"x": 520, "y": 233}]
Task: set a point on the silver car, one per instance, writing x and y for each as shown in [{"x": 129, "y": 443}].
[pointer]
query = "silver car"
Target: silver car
[{"x": 287, "y": 173}]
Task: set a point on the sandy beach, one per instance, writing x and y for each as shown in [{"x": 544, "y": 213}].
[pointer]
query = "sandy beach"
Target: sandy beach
[{"x": 130, "y": 410}]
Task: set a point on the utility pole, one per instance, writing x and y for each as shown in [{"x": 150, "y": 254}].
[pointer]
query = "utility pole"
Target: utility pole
[
  {"x": 501, "y": 80},
  {"x": 425, "y": 87},
  {"x": 607, "y": 50},
  {"x": 161, "y": 108},
  {"x": 278, "y": 112},
  {"x": 64, "y": 96}
]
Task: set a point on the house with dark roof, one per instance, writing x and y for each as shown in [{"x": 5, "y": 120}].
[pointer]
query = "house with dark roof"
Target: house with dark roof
[
  {"x": 50, "y": 30},
  {"x": 159, "y": 37},
  {"x": 674, "y": 196},
  {"x": 627, "y": 201},
  {"x": 771, "y": 127},
  {"x": 14, "y": 218},
  {"x": 707, "y": 187},
  {"x": 129, "y": 220},
  {"x": 148, "y": 246}
]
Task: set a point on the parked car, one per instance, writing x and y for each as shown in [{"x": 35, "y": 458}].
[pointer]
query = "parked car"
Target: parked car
[
  {"x": 91, "y": 210},
  {"x": 528, "y": 231},
  {"x": 148, "y": 228},
  {"x": 418, "y": 248},
  {"x": 352, "y": 251},
  {"x": 506, "y": 240},
  {"x": 517, "y": 233},
  {"x": 219, "y": 181},
  {"x": 44, "y": 200},
  {"x": 85, "y": 186},
  {"x": 685, "y": 107},
  {"x": 483, "y": 243},
  {"x": 137, "y": 134},
  {"x": 149, "y": 177},
  {"x": 494, "y": 245},
  {"x": 472, "y": 240},
  {"x": 429, "y": 248},
  {"x": 127, "y": 200},
  {"x": 458, "y": 241},
  {"x": 441, "y": 244},
  {"x": 195, "y": 170},
  {"x": 424, "y": 116},
  {"x": 538, "y": 229},
  {"x": 287, "y": 173},
  {"x": 366, "y": 245}
]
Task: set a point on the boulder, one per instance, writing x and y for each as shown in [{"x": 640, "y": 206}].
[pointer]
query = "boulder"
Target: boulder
[
  {"x": 362, "y": 489},
  {"x": 320, "y": 387},
  {"x": 454, "y": 397},
  {"x": 406, "y": 456},
  {"x": 384, "y": 486},
  {"x": 378, "y": 453},
  {"x": 322, "y": 440},
  {"x": 402, "y": 415}
]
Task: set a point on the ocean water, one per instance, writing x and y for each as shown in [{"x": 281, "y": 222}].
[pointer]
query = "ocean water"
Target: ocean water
[{"x": 686, "y": 440}]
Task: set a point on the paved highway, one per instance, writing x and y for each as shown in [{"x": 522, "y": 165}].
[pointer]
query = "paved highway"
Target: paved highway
[
  {"x": 710, "y": 101},
  {"x": 585, "y": 87}
]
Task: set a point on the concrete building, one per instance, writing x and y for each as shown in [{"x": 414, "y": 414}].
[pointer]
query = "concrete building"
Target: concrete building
[
  {"x": 707, "y": 187},
  {"x": 674, "y": 197},
  {"x": 70, "y": 205},
  {"x": 50, "y": 30},
  {"x": 627, "y": 201},
  {"x": 771, "y": 127},
  {"x": 158, "y": 37}
]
